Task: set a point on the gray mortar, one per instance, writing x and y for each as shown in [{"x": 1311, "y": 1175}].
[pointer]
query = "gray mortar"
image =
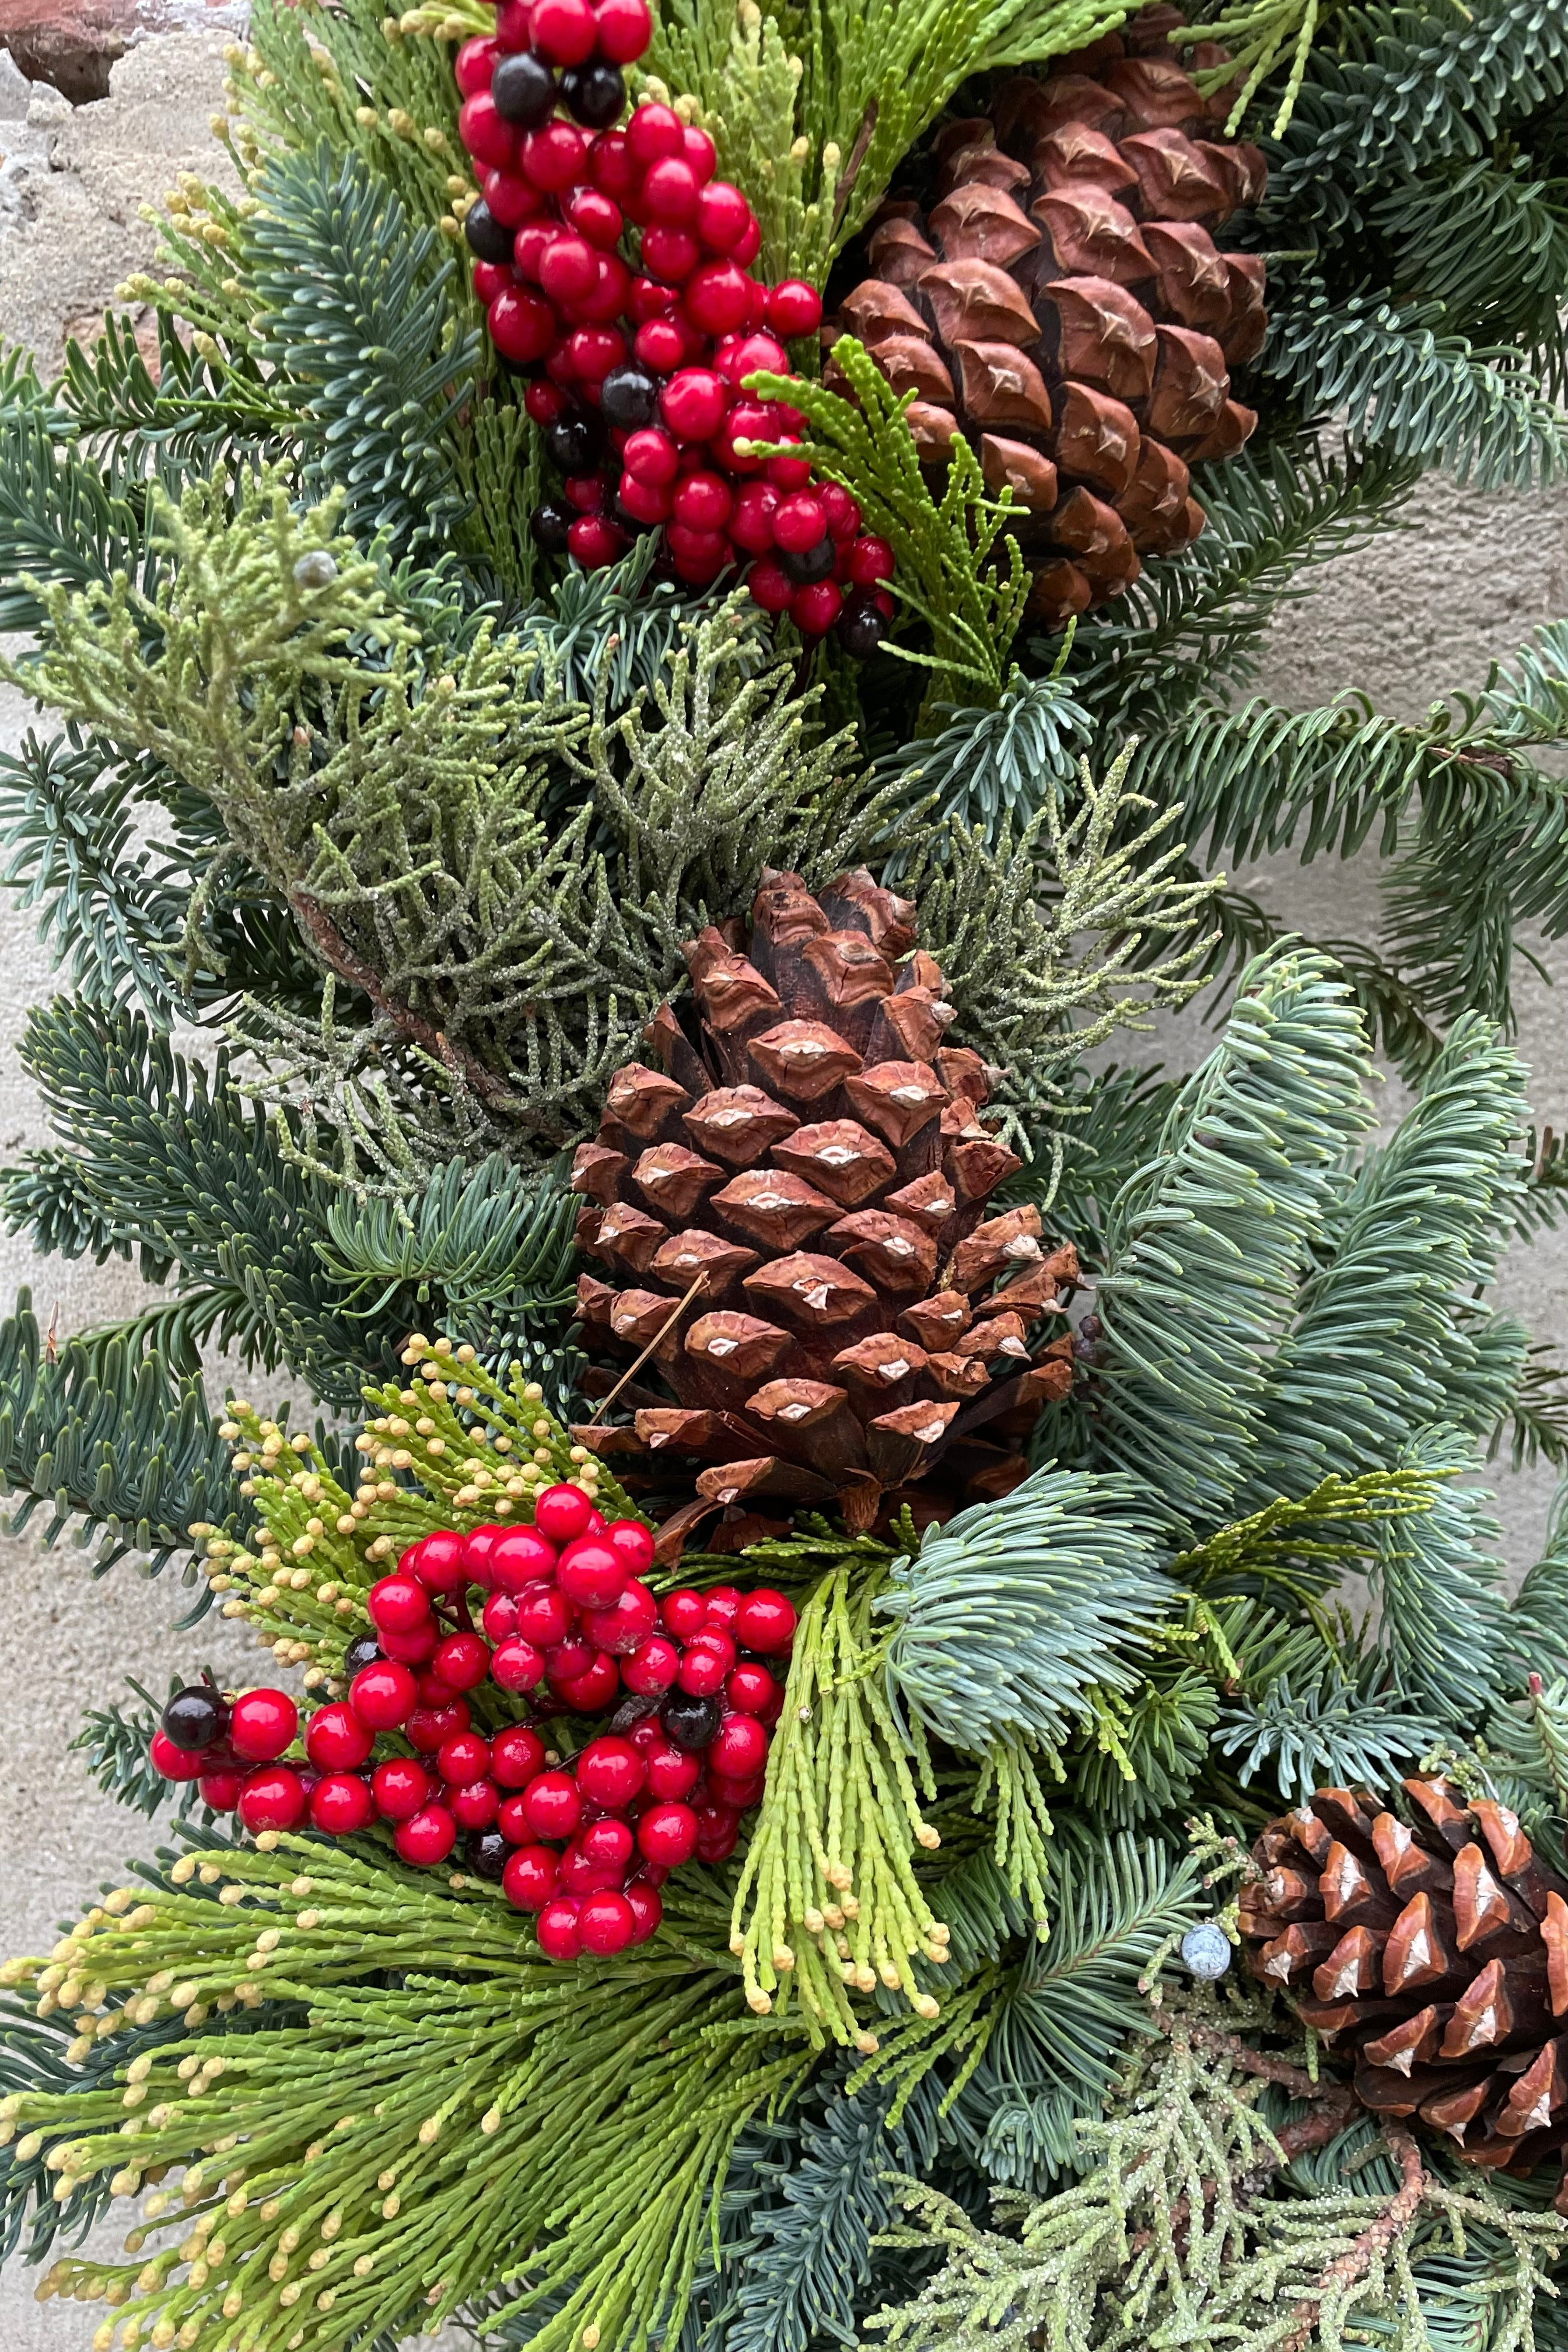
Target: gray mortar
[{"x": 1422, "y": 610}]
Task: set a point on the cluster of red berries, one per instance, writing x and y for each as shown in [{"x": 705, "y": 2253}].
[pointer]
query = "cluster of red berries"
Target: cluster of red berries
[
  {"x": 585, "y": 1844},
  {"x": 638, "y": 374}
]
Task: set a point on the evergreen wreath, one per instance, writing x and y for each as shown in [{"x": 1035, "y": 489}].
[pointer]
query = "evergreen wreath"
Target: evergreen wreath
[{"x": 663, "y": 651}]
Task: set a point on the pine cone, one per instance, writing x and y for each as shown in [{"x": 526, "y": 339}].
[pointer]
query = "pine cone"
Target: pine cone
[
  {"x": 1437, "y": 1953},
  {"x": 793, "y": 1208},
  {"x": 1064, "y": 306}
]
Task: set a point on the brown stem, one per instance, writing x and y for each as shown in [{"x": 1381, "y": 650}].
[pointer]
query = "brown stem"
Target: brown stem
[
  {"x": 1248, "y": 2061},
  {"x": 1375, "y": 2240},
  {"x": 335, "y": 950},
  {"x": 1334, "y": 2107},
  {"x": 863, "y": 138}
]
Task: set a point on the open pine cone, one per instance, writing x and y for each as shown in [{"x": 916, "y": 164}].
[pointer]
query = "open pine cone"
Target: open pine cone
[
  {"x": 1064, "y": 306},
  {"x": 792, "y": 1211},
  {"x": 1437, "y": 1953}
]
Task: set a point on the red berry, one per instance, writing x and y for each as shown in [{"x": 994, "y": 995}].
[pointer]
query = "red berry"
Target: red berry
[
  {"x": 529, "y": 1879},
  {"x": 588, "y": 1693},
  {"x": 702, "y": 1671},
  {"x": 593, "y": 351},
  {"x": 789, "y": 473},
  {"x": 799, "y": 522},
  {"x": 672, "y": 1771},
  {"x": 426, "y": 1837},
  {"x": 672, "y": 253},
  {"x": 684, "y": 1612},
  {"x": 462, "y": 1661},
  {"x": 753, "y": 355},
  {"x": 336, "y": 1740},
  {"x": 718, "y": 1626},
  {"x": 517, "y": 1665},
  {"x": 629, "y": 1538},
  {"x": 400, "y": 1787},
  {"x": 438, "y": 1561},
  {"x": 646, "y": 1734},
  {"x": 751, "y": 1689},
  {"x": 554, "y": 157},
  {"x": 475, "y": 1807},
  {"x": 398, "y": 1604},
  {"x": 520, "y": 1557},
  {"x": 429, "y": 1727},
  {"x": 700, "y": 555},
  {"x": 590, "y": 1574},
  {"x": 474, "y": 64},
  {"x": 479, "y": 1543},
  {"x": 465, "y": 1757},
  {"x": 669, "y": 193},
  {"x": 699, "y": 151},
  {"x": 642, "y": 501},
  {"x": 594, "y": 541},
  {"x": 648, "y": 299},
  {"x": 870, "y": 560},
  {"x": 746, "y": 253},
  {"x": 568, "y": 268},
  {"x": 488, "y": 138},
  {"x": 571, "y": 1658},
  {"x": 654, "y": 133},
  {"x": 553, "y": 1805},
  {"x": 751, "y": 517},
  {"x": 646, "y": 1908},
  {"x": 771, "y": 586},
  {"x": 718, "y": 1827},
  {"x": 659, "y": 344},
  {"x": 693, "y": 402},
  {"x": 608, "y": 299},
  {"x": 724, "y": 216},
  {"x": 564, "y": 31},
  {"x": 593, "y": 215},
  {"x": 500, "y": 1618},
  {"x": 517, "y": 1757},
  {"x": 738, "y": 1748},
  {"x": 511, "y": 199},
  {"x": 667, "y": 1834},
  {"x": 793, "y": 309},
  {"x": 512, "y": 25},
  {"x": 584, "y": 491},
  {"x": 740, "y": 1796},
  {"x": 652, "y": 1665},
  {"x": 562, "y": 1513},
  {"x": 176, "y": 1763},
  {"x": 544, "y": 403},
  {"x": 747, "y": 422},
  {"x": 262, "y": 1724},
  {"x": 529, "y": 248},
  {"x": 610, "y": 1772},
  {"x": 625, "y": 28},
  {"x": 625, "y": 1625},
  {"x": 765, "y": 1620},
  {"x": 557, "y": 1929},
  {"x": 272, "y": 1798},
  {"x": 606, "y": 1845},
  {"x": 607, "y": 1924},
  {"x": 491, "y": 278},
  {"x": 543, "y": 1617},
  {"x": 715, "y": 296},
  {"x": 815, "y": 610},
  {"x": 220, "y": 1790},
  {"x": 411, "y": 1649},
  {"x": 842, "y": 512},
  {"x": 612, "y": 166},
  {"x": 340, "y": 1804}
]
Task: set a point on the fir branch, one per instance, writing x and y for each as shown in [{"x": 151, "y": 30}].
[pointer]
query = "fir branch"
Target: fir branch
[
  {"x": 1441, "y": 1632},
  {"x": 1330, "y": 1731},
  {"x": 988, "y": 766}
]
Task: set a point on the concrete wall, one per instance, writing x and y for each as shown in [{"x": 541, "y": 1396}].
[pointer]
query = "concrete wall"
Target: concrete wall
[{"x": 1424, "y": 610}]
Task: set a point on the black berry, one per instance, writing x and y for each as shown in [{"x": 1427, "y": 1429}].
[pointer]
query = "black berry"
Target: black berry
[
  {"x": 523, "y": 88},
  {"x": 628, "y": 397},
  {"x": 486, "y": 236},
  {"x": 195, "y": 1717},
  {"x": 574, "y": 441},
  {"x": 691, "y": 1723},
  {"x": 552, "y": 520},
  {"x": 594, "y": 94},
  {"x": 365, "y": 1652},
  {"x": 862, "y": 628},
  {"x": 633, "y": 1710},
  {"x": 487, "y": 1854},
  {"x": 807, "y": 565}
]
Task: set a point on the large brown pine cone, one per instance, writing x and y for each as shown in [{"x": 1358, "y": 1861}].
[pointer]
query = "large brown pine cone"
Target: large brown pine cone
[
  {"x": 1437, "y": 1952},
  {"x": 1064, "y": 306},
  {"x": 809, "y": 1172}
]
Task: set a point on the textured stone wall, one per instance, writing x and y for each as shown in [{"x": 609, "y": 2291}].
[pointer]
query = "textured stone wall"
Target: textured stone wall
[{"x": 1424, "y": 610}]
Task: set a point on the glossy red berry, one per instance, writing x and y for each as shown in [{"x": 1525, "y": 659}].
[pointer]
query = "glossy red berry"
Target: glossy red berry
[
  {"x": 715, "y": 297},
  {"x": 593, "y": 215},
  {"x": 401, "y": 1787},
  {"x": 751, "y": 1689},
  {"x": 511, "y": 199},
  {"x": 670, "y": 253},
  {"x": 500, "y": 1617},
  {"x": 842, "y": 511},
  {"x": 652, "y": 1667},
  {"x": 411, "y": 1649},
  {"x": 465, "y": 1757},
  {"x": 740, "y": 1796},
  {"x": 426, "y": 1837},
  {"x": 625, "y": 1625},
  {"x": 593, "y": 351},
  {"x": 653, "y": 133},
  {"x": 553, "y": 1805},
  {"x": 475, "y": 1807},
  {"x": 610, "y": 1773},
  {"x": 672, "y": 1771},
  {"x": 220, "y": 1790},
  {"x": 735, "y": 444},
  {"x": 590, "y": 1693},
  {"x": 722, "y": 218},
  {"x": 594, "y": 541},
  {"x": 262, "y": 1724},
  {"x": 546, "y": 404},
  {"x": 642, "y": 501},
  {"x": 520, "y": 1557},
  {"x": 605, "y": 1924},
  {"x": 491, "y": 278},
  {"x": 608, "y": 299},
  {"x": 517, "y": 1665},
  {"x": 527, "y": 1881},
  {"x": 488, "y": 138},
  {"x": 561, "y": 1513},
  {"x": 590, "y": 1574},
  {"x": 474, "y": 64},
  {"x": 564, "y": 31},
  {"x": 341, "y": 1805},
  {"x": 438, "y": 1562},
  {"x": 568, "y": 268},
  {"x": 684, "y": 1614},
  {"x": 754, "y": 355},
  {"x": 517, "y": 1757},
  {"x": 814, "y": 610},
  {"x": 429, "y": 1726},
  {"x": 666, "y": 1834},
  {"x": 513, "y": 23},
  {"x": 612, "y": 165},
  {"x": 336, "y": 1740},
  {"x": 176, "y": 1763},
  {"x": 648, "y": 299},
  {"x": 751, "y": 522},
  {"x": 398, "y": 1604},
  {"x": 668, "y": 193},
  {"x": 584, "y": 491},
  {"x": 529, "y": 248},
  {"x": 554, "y": 157},
  {"x": 703, "y": 1669},
  {"x": 699, "y": 555},
  {"x": 646, "y": 1909},
  {"x": 571, "y": 1658},
  {"x": 607, "y": 1845},
  {"x": 557, "y": 1929},
  {"x": 462, "y": 1661},
  {"x": 660, "y": 345},
  {"x": 746, "y": 253},
  {"x": 765, "y": 1622},
  {"x": 698, "y": 151},
  {"x": 625, "y": 28},
  {"x": 799, "y": 522},
  {"x": 273, "y": 1798},
  {"x": 740, "y": 1749},
  {"x": 794, "y": 307},
  {"x": 771, "y": 586},
  {"x": 789, "y": 474},
  {"x": 870, "y": 560},
  {"x": 718, "y": 1828}
]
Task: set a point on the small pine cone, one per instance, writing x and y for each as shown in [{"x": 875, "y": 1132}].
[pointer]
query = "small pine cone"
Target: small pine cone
[
  {"x": 1434, "y": 1950},
  {"x": 791, "y": 1204},
  {"x": 1063, "y": 304}
]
